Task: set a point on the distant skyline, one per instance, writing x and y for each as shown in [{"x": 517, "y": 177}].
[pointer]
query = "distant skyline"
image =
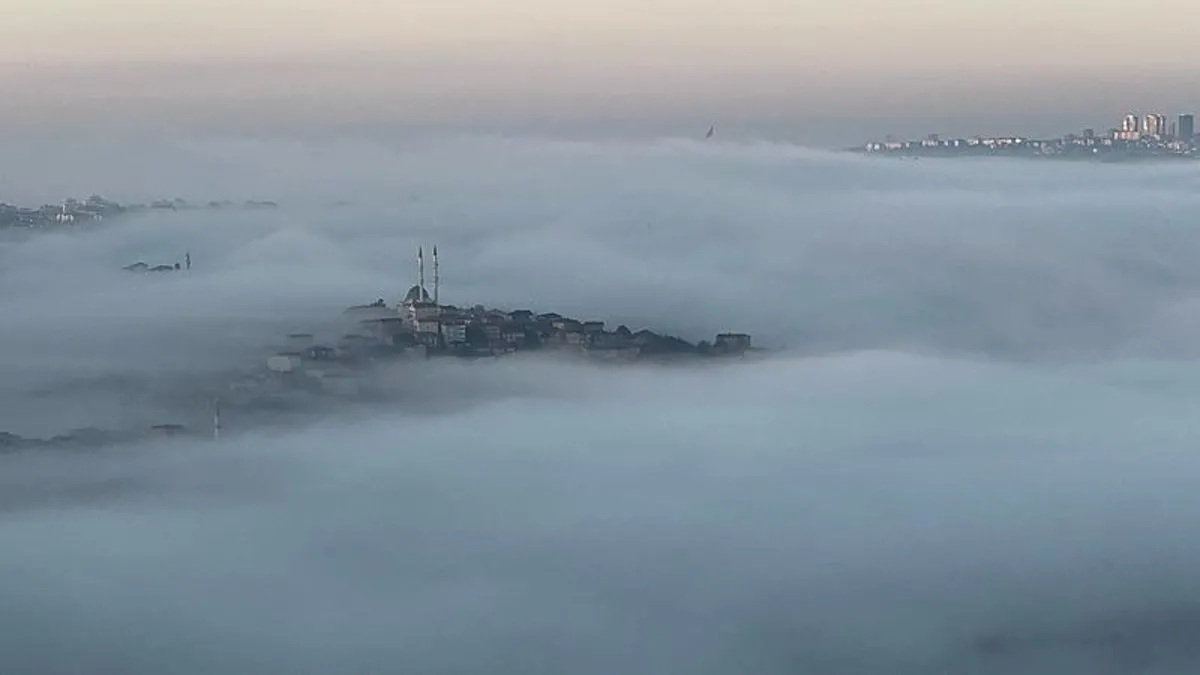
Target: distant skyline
[{"x": 815, "y": 72}]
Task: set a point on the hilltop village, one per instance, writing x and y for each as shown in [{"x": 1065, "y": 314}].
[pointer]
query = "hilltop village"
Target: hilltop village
[
  {"x": 94, "y": 209},
  {"x": 420, "y": 325}
]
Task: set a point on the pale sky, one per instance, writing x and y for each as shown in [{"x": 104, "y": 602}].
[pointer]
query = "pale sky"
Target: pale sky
[{"x": 617, "y": 58}]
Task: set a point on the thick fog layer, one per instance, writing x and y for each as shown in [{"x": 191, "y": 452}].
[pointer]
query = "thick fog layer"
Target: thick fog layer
[{"x": 972, "y": 453}]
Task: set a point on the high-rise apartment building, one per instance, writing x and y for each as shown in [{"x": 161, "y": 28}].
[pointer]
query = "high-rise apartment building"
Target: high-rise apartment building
[
  {"x": 1187, "y": 127},
  {"x": 1154, "y": 125}
]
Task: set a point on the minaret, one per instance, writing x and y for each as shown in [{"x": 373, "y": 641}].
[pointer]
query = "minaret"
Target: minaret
[
  {"x": 217, "y": 419},
  {"x": 420, "y": 274},
  {"x": 436, "y": 278}
]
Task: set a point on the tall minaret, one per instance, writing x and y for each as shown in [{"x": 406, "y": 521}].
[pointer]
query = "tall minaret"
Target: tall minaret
[
  {"x": 216, "y": 419},
  {"x": 436, "y": 278},
  {"x": 420, "y": 274}
]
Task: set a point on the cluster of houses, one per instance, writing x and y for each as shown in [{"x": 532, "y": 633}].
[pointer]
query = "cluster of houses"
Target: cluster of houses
[
  {"x": 425, "y": 325},
  {"x": 143, "y": 267},
  {"x": 70, "y": 212},
  {"x": 421, "y": 326},
  {"x": 97, "y": 208}
]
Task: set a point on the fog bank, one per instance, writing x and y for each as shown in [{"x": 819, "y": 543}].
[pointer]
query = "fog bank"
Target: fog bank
[{"x": 970, "y": 455}]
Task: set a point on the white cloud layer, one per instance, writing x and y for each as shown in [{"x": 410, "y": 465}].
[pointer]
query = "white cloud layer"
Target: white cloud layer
[{"x": 975, "y": 455}]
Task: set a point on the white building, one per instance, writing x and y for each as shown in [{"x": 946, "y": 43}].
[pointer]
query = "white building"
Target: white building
[
  {"x": 454, "y": 333},
  {"x": 1154, "y": 124}
]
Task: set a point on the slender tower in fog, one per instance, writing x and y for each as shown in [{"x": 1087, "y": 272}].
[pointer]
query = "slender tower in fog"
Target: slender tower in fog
[
  {"x": 420, "y": 274},
  {"x": 216, "y": 419},
  {"x": 436, "y": 278}
]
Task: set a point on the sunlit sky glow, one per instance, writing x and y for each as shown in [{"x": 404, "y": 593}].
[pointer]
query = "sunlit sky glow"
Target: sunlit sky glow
[{"x": 553, "y": 58}]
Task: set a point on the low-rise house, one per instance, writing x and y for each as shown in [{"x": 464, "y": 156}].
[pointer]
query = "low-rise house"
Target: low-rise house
[
  {"x": 608, "y": 340},
  {"x": 454, "y": 333},
  {"x": 422, "y": 311},
  {"x": 321, "y": 353},
  {"x": 360, "y": 317},
  {"x": 512, "y": 334},
  {"x": 428, "y": 334},
  {"x": 568, "y": 337},
  {"x": 284, "y": 362},
  {"x": 384, "y": 329},
  {"x": 450, "y": 313},
  {"x": 644, "y": 337},
  {"x": 733, "y": 343}
]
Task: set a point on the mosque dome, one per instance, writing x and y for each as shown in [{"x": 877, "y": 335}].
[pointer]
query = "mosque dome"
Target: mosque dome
[{"x": 417, "y": 294}]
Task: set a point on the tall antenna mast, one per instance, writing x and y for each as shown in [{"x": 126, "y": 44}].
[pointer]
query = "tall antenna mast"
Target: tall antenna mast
[
  {"x": 420, "y": 274},
  {"x": 436, "y": 278}
]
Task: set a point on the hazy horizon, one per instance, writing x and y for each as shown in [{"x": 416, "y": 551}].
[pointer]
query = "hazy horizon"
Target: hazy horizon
[{"x": 814, "y": 73}]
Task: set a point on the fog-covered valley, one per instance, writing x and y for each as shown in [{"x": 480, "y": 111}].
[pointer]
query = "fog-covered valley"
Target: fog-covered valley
[{"x": 969, "y": 451}]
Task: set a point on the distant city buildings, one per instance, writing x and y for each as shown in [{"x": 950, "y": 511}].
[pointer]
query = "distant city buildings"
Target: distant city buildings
[
  {"x": 1145, "y": 136},
  {"x": 75, "y": 212},
  {"x": 1154, "y": 125}
]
